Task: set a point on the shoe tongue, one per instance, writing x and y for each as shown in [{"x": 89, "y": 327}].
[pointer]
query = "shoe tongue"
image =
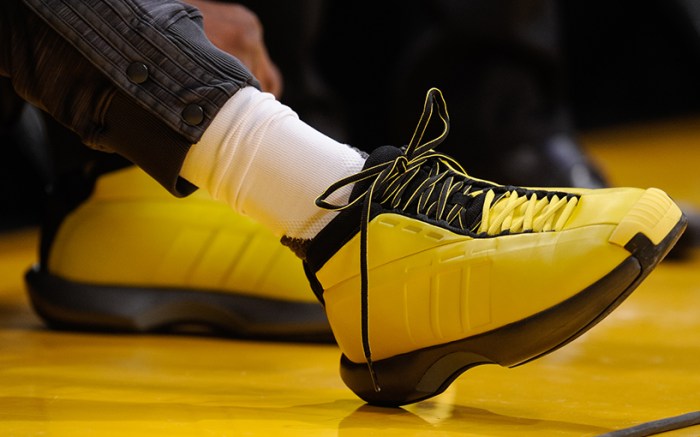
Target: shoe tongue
[{"x": 380, "y": 155}]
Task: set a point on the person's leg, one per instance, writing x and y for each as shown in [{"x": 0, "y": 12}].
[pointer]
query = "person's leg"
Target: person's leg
[
  {"x": 69, "y": 293},
  {"x": 132, "y": 110},
  {"x": 107, "y": 71},
  {"x": 424, "y": 271}
]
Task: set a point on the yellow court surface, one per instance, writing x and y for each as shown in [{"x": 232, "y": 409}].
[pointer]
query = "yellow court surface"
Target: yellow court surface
[{"x": 639, "y": 365}]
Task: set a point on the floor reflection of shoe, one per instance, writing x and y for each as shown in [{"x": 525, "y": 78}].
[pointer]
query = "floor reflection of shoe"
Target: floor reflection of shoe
[
  {"x": 134, "y": 258},
  {"x": 428, "y": 271}
]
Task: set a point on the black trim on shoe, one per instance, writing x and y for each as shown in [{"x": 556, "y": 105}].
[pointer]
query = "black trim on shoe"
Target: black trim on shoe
[
  {"x": 71, "y": 305},
  {"x": 316, "y": 286},
  {"x": 424, "y": 373},
  {"x": 335, "y": 235}
]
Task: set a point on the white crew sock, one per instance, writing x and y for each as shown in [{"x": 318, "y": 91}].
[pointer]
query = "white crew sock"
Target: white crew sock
[{"x": 263, "y": 161}]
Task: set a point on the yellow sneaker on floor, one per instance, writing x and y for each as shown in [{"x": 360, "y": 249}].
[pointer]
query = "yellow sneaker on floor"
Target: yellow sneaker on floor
[
  {"x": 134, "y": 258},
  {"x": 428, "y": 272}
]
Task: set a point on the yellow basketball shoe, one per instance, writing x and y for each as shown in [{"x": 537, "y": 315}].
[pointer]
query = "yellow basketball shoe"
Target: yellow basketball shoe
[
  {"x": 428, "y": 272},
  {"x": 132, "y": 257}
]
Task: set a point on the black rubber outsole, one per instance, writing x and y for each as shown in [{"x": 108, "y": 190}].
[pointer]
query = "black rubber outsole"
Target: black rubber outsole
[
  {"x": 69, "y": 305},
  {"x": 421, "y": 374}
]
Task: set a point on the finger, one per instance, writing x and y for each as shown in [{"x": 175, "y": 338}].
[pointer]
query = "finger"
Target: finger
[{"x": 272, "y": 81}]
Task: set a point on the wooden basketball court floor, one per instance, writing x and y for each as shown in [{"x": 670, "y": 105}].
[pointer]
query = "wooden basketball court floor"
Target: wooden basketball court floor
[{"x": 641, "y": 364}]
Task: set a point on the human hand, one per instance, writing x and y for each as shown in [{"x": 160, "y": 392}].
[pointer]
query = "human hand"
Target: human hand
[{"x": 236, "y": 30}]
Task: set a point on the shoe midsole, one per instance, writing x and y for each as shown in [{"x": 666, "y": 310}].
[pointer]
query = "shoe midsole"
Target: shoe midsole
[{"x": 70, "y": 304}]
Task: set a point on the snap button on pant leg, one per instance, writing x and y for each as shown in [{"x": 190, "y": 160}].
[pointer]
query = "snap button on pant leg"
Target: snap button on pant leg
[
  {"x": 193, "y": 114},
  {"x": 137, "y": 72}
]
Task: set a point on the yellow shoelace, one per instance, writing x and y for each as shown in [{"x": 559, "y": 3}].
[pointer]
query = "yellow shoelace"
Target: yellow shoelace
[
  {"x": 444, "y": 195},
  {"x": 516, "y": 213}
]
